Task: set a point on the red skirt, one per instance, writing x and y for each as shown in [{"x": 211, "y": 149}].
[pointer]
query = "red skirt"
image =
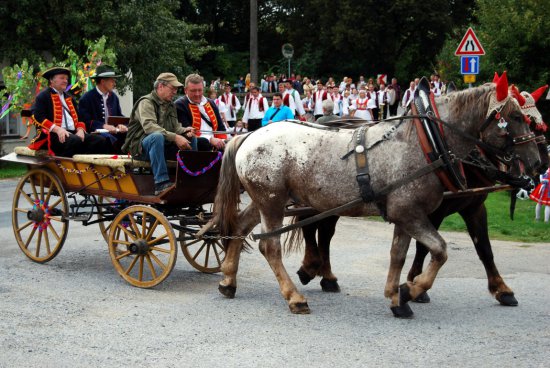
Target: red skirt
[{"x": 540, "y": 194}]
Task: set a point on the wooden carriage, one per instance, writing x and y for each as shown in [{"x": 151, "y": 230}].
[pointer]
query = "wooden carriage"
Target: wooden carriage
[{"x": 117, "y": 193}]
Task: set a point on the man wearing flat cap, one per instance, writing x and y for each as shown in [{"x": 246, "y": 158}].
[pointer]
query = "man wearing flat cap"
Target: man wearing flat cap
[
  {"x": 154, "y": 133},
  {"x": 58, "y": 126},
  {"x": 99, "y": 104}
]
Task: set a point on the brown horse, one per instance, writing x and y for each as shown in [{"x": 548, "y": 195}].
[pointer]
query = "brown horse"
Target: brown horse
[
  {"x": 316, "y": 260},
  {"x": 286, "y": 160}
]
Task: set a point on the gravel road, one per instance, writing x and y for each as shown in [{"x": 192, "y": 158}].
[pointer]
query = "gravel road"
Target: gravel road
[{"x": 75, "y": 311}]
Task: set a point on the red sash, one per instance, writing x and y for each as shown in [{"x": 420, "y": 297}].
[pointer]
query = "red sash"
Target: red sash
[
  {"x": 286, "y": 100},
  {"x": 197, "y": 119}
]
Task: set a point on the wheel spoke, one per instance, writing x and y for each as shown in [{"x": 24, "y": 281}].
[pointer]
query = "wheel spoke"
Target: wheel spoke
[
  {"x": 123, "y": 255},
  {"x": 128, "y": 234},
  {"x": 153, "y": 272},
  {"x": 121, "y": 242},
  {"x": 58, "y": 219},
  {"x": 53, "y": 205},
  {"x": 156, "y": 240},
  {"x": 140, "y": 274},
  {"x": 217, "y": 254},
  {"x": 24, "y": 226},
  {"x": 192, "y": 242},
  {"x": 129, "y": 269},
  {"x": 157, "y": 260},
  {"x": 143, "y": 226},
  {"x": 47, "y": 240},
  {"x": 31, "y": 235},
  {"x": 50, "y": 226},
  {"x": 151, "y": 230},
  {"x": 199, "y": 251},
  {"x": 50, "y": 190},
  {"x": 42, "y": 187},
  {"x": 134, "y": 226},
  {"x": 162, "y": 250},
  {"x": 207, "y": 254},
  {"x": 27, "y": 197},
  {"x": 33, "y": 186},
  {"x": 38, "y": 242}
]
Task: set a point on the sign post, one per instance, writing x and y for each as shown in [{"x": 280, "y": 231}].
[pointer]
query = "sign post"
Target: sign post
[
  {"x": 288, "y": 52},
  {"x": 469, "y": 50}
]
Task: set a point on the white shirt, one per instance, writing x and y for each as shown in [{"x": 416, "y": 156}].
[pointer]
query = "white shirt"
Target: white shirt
[
  {"x": 408, "y": 96},
  {"x": 67, "y": 121},
  {"x": 231, "y": 111},
  {"x": 340, "y": 105},
  {"x": 252, "y": 108},
  {"x": 318, "y": 103},
  {"x": 382, "y": 97},
  {"x": 365, "y": 111},
  {"x": 291, "y": 103},
  {"x": 299, "y": 107}
]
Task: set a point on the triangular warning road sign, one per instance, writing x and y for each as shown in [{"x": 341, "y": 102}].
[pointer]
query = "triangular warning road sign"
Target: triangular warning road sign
[{"x": 469, "y": 45}]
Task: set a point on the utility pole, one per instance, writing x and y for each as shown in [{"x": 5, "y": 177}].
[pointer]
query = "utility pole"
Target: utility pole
[{"x": 254, "y": 41}]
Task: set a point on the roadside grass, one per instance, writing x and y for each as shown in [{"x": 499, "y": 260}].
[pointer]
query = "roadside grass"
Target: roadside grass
[
  {"x": 523, "y": 228},
  {"x": 11, "y": 170}
]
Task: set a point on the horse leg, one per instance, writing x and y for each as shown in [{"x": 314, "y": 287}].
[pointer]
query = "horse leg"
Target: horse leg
[
  {"x": 247, "y": 219},
  {"x": 398, "y": 254},
  {"x": 476, "y": 222},
  {"x": 312, "y": 260},
  {"x": 422, "y": 230},
  {"x": 327, "y": 227},
  {"x": 422, "y": 251},
  {"x": 271, "y": 249}
]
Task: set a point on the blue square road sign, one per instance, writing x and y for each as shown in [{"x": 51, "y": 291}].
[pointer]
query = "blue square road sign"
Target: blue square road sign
[{"x": 469, "y": 64}]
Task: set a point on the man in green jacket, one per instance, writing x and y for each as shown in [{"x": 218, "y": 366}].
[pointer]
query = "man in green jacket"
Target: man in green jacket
[{"x": 154, "y": 131}]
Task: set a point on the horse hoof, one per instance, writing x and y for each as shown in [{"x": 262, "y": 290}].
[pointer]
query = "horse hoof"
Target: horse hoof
[
  {"x": 304, "y": 276},
  {"x": 422, "y": 298},
  {"x": 404, "y": 294},
  {"x": 330, "y": 286},
  {"x": 507, "y": 299},
  {"x": 402, "y": 311},
  {"x": 228, "y": 291},
  {"x": 299, "y": 308}
]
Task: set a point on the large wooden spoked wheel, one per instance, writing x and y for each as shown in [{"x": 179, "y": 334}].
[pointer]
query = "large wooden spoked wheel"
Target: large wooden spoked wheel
[
  {"x": 205, "y": 254},
  {"x": 142, "y": 245},
  {"x": 39, "y": 215}
]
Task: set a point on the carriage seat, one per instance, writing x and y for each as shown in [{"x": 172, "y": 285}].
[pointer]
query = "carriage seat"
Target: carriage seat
[{"x": 26, "y": 151}]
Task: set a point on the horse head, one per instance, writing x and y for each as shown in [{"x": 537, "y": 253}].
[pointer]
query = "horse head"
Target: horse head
[
  {"x": 504, "y": 129},
  {"x": 533, "y": 117}
]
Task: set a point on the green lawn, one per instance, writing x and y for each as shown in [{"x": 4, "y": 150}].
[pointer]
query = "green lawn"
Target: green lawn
[
  {"x": 11, "y": 170},
  {"x": 523, "y": 228}
]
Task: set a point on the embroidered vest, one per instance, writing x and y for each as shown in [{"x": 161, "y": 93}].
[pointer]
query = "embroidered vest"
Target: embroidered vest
[
  {"x": 260, "y": 103},
  {"x": 197, "y": 119}
]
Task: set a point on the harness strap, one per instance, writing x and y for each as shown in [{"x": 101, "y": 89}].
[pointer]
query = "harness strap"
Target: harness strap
[{"x": 356, "y": 202}]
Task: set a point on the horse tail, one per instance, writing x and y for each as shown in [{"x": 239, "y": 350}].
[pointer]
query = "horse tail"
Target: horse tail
[
  {"x": 226, "y": 204},
  {"x": 295, "y": 238}
]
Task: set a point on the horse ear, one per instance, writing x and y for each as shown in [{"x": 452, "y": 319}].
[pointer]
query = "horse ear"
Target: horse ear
[
  {"x": 515, "y": 92},
  {"x": 502, "y": 87},
  {"x": 495, "y": 78},
  {"x": 536, "y": 95}
]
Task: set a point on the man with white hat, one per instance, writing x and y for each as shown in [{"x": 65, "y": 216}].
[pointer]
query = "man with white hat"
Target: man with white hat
[{"x": 154, "y": 133}]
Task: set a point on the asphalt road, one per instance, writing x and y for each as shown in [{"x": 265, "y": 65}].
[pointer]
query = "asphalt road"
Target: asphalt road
[{"x": 75, "y": 311}]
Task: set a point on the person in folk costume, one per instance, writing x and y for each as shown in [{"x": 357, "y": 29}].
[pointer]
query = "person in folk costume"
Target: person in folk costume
[
  {"x": 98, "y": 104},
  {"x": 341, "y": 107},
  {"x": 363, "y": 106},
  {"x": 318, "y": 97},
  {"x": 541, "y": 195},
  {"x": 372, "y": 95},
  {"x": 300, "y": 112},
  {"x": 222, "y": 107},
  {"x": 239, "y": 128},
  {"x": 307, "y": 102},
  {"x": 233, "y": 105},
  {"x": 254, "y": 110},
  {"x": 288, "y": 100},
  {"x": 248, "y": 94},
  {"x": 59, "y": 128},
  {"x": 195, "y": 110},
  {"x": 383, "y": 101},
  {"x": 408, "y": 95},
  {"x": 438, "y": 84}
]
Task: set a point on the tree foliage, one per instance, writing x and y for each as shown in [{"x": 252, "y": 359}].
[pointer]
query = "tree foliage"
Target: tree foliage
[{"x": 146, "y": 34}]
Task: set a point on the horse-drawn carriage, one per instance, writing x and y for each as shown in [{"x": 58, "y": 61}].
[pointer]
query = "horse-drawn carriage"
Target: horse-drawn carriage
[{"x": 116, "y": 193}]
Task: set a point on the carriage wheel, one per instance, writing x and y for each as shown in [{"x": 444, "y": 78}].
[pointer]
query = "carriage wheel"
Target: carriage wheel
[
  {"x": 205, "y": 255},
  {"x": 38, "y": 215},
  {"x": 142, "y": 245},
  {"x": 102, "y": 212}
]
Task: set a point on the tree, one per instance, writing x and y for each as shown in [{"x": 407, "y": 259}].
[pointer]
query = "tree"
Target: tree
[{"x": 146, "y": 35}]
